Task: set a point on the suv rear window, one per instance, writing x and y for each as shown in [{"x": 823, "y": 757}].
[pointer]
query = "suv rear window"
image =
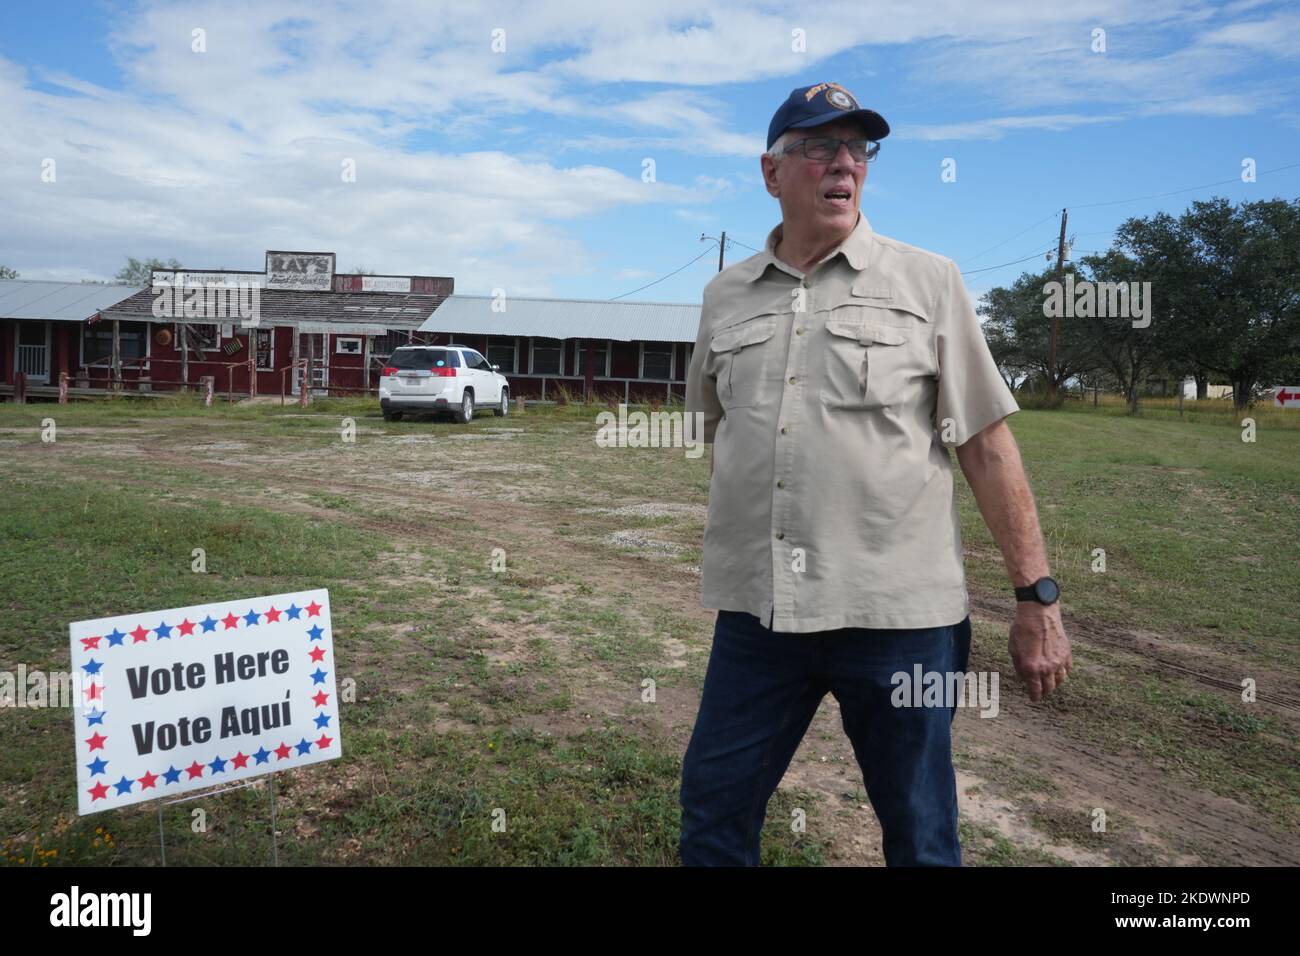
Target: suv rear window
[{"x": 423, "y": 359}]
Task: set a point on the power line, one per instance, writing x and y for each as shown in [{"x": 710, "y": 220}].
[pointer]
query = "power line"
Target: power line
[
  {"x": 1009, "y": 238},
  {"x": 989, "y": 268},
  {"x": 669, "y": 276}
]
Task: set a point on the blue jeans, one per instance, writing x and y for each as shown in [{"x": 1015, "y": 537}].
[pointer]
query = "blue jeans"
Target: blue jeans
[{"x": 761, "y": 691}]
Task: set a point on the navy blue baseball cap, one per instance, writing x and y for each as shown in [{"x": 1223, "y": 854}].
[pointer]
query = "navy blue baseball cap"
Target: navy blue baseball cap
[{"x": 822, "y": 103}]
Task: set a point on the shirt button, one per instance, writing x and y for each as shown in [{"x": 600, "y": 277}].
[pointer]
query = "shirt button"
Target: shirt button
[
  {"x": 780, "y": 535},
  {"x": 798, "y": 331},
  {"x": 784, "y": 429},
  {"x": 781, "y": 483},
  {"x": 791, "y": 379}
]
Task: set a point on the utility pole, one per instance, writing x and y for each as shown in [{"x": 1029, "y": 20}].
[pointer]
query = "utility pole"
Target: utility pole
[
  {"x": 1056, "y": 322},
  {"x": 722, "y": 246}
]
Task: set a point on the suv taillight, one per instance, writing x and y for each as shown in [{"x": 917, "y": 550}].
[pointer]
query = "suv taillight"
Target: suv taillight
[
  {"x": 390, "y": 370},
  {"x": 445, "y": 371}
]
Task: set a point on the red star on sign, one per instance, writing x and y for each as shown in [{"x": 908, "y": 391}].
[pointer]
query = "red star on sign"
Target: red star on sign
[
  {"x": 240, "y": 760},
  {"x": 273, "y": 615},
  {"x": 230, "y": 621},
  {"x": 313, "y": 609},
  {"x": 98, "y": 791},
  {"x": 282, "y": 752},
  {"x": 88, "y": 643},
  {"x": 140, "y": 634},
  {"x": 94, "y": 692},
  {"x": 323, "y": 742},
  {"x": 187, "y": 627},
  {"x": 317, "y": 654},
  {"x": 96, "y": 742},
  {"x": 195, "y": 770},
  {"x": 320, "y": 698},
  {"x": 147, "y": 780}
]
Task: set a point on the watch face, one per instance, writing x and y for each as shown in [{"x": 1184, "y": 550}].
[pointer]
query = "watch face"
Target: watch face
[{"x": 1047, "y": 590}]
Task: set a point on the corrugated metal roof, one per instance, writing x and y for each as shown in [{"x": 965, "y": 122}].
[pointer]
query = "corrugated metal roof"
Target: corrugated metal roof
[
  {"x": 568, "y": 319},
  {"x": 58, "y": 301}
]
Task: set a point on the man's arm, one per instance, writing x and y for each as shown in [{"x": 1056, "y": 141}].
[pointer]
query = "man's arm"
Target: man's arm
[{"x": 991, "y": 462}]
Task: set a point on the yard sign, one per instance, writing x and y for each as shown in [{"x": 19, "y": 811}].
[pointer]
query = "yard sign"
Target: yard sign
[{"x": 196, "y": 697}]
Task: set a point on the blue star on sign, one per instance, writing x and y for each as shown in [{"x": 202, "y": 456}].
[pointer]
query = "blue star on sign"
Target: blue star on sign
[
  {"x": 97, "y": 717},
  {"x": 218, "y": 765},
  {"x": 322, "y": 719},
  {"x": 318, "y": 677},
  {"x": 262, "y": 755},
  {"x": 293, "y": 610},
  {"x": 251, "y": 618},
  {"x": 208, "y": 624},
  {"x": 303, "y": 746},
  {"x": 171, "y": 774},
  {"x": 97, "y": 766},
  {"x": 92, "y": 667},
  {"x": 315, "y": 632},
  {"x": 163, "y": 630},
  {"x": 123, "y": 786},
  {"x": 115, "y": 638}
]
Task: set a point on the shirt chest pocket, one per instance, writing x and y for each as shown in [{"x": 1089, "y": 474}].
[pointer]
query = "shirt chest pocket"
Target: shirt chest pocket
[
  {"x": 867, "y": 363},
  {"x": 742, "y": 358}
]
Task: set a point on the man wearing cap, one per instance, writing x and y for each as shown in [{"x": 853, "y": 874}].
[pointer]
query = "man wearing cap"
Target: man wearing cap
[{"x": 832, "y": 372}]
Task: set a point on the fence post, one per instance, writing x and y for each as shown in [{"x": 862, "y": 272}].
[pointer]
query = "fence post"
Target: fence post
[
  {"x": 63, "y": 388},
  {"x": 20, "y": 388},
  {"x": 302, "y": 385},
  {"x": 208, "y": 384}
]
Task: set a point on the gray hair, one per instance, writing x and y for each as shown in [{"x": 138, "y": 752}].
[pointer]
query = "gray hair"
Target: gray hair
[{"x": 777, "y": 150}]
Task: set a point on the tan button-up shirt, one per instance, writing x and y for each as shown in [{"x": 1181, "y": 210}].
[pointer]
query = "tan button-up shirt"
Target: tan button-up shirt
[{"x": 831, "y": 400}]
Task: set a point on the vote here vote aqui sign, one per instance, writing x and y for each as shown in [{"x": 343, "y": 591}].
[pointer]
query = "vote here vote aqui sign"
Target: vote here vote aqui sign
[{"x": 196, "y": 697}]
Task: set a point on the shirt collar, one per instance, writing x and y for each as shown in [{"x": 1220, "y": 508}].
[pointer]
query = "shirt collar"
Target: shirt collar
[{"x": 856, "y": 248}]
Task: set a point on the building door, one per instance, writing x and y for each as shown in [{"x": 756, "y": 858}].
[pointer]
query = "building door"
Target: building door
[
  {"x": 33, "y": 355},
  {"x": 312, "y": 347}
]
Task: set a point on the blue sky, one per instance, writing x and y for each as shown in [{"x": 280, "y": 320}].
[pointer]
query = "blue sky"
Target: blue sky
[{"x": 521, "y": 168}]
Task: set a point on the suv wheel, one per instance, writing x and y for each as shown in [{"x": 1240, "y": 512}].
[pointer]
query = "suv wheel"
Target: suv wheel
[
  {"x": 466, "y": 408},
  {"x": 504, "y": 408}
]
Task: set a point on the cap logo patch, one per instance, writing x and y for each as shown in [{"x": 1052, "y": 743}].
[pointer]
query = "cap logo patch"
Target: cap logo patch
[{"x": 839, "y": 99}]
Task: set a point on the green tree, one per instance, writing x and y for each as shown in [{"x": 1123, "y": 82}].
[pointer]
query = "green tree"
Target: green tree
[
  {"x": 140, "y": 271},
  {"x": 7, "y": 273}
]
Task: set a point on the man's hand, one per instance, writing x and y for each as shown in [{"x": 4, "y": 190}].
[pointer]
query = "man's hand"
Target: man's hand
[{"x": 1039, "y": 648}]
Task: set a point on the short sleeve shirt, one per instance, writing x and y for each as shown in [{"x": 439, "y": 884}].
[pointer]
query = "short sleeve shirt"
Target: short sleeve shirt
[{"x": 831, "y": 400}]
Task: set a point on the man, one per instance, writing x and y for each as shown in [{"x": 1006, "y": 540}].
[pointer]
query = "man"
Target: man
[{"x": 833, "y": 371}]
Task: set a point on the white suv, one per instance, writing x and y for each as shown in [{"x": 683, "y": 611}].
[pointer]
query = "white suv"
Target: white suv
[{"x": 441, "y": 378}]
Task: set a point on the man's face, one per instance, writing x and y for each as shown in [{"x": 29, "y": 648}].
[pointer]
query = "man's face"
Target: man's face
[{"x": 818, "y": 197}]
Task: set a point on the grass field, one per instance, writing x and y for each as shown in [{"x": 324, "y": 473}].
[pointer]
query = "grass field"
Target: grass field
[{"x": 523, "y": 690}]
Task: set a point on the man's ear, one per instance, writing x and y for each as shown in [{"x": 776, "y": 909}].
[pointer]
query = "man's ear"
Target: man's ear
[{"x": 768, "y": 166}]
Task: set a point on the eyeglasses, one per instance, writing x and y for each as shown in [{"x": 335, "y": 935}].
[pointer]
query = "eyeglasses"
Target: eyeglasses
[{"x": 825, "y": 148}]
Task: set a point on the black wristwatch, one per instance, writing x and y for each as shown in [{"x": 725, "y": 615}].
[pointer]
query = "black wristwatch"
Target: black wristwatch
[{"x": 1044, "y": 591}]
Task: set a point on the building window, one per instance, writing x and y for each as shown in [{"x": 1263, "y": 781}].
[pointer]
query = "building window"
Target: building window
[
  {"x": 546, "y": 356},
  {"x": 97, "y": 342},
  {"x": 265, "y": 350},
  {"x": 347, "y": 346},
  {"x": 600, "y": 358},
  {"x": 656, "y": 361},
  {"x": 203, "y": 337},
  {"x": 502, "y": 352}
]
